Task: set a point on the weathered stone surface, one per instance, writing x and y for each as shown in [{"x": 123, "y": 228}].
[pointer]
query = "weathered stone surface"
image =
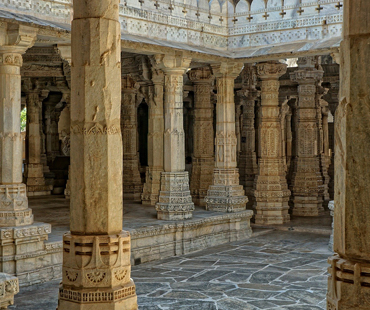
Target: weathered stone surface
[
  {"x": 9, "y": 287},
  {"x": 349, "y": 272},
  {"x": 96, "y": 253}
]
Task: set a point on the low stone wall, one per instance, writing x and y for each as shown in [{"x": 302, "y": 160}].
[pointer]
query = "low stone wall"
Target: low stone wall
[{"x": 174, "y": 239}]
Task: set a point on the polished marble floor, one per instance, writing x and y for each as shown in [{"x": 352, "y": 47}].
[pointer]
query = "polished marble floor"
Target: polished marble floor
[{"x": 280, "y": 270}]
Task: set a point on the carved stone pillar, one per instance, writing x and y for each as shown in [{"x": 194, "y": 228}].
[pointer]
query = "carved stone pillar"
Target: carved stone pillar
[
  {"x": 248, "y": 159},
  {"x": 34, "y": 170},
  {"x": 349, "y": 280},
  {"x": 152, "y": 184},
  {"x": 96, "y": 254},
  {"x": 271, "y": 189},
  {"x": 175, "y": 202},
  {"x": 132, "y": 186},
  {"x": 307, "y": 181},
  {"x": 203, "y": 158},
  {"x": 226, "y": 195}
]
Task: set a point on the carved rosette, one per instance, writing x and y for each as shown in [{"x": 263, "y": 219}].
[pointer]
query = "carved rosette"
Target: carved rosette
[
  {"x": 271, "y": 188},
  {"x": 99, "y": 264}
]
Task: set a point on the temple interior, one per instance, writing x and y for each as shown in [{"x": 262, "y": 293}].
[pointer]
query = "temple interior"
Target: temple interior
[{"x": 182, "y": 154}]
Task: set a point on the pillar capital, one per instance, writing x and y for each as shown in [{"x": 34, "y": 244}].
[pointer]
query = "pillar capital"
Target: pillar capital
[
  {"x": 65, "y": 52},
  {"x": 271, "y": 70},
  {"x": 227, "y": 69},
  {"x": 201, "y": 75},
  {"x": 129, "y": 84},
  {"x": 15, "y": 39},
  {"x": 177, "y": 63}
]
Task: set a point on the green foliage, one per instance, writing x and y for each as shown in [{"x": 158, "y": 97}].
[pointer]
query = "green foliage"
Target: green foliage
[{"x": 23, "y": 119}]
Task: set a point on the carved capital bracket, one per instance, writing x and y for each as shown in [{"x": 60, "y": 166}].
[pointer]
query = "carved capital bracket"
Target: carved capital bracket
[
  {"x": 201, "y": 75},
  {"x": 177, "y": 63},
  {"x": 271, "y": 70},
  {"x": 227, "y": 69}
]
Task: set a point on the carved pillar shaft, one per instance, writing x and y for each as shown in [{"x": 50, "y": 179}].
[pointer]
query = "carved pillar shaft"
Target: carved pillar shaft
[
  {"x": 34, "y": 170},
  {"x": 132, "y": 186},
  {"x": 155, "y": 140},
  {"x": 348, "y": 283},
  {"x": 248, "y": 159},
  {"x": 96, "y": 255},
  {"x": 203, "y": 158},
  {"x": 271, "y": 189},
  {"x": 225, "y": 194},
  {"x": 307, "y": 181},
  {"x": 175, "y": 202}
]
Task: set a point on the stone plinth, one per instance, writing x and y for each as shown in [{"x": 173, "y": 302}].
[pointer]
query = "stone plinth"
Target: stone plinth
[
  {"x": 9, "y": 287},
  {"x": 271, "y": 188},
  {"x": 203, "y": 158},
  {"x": 175, "y": 201},
  {"x": 225, "y": 194}
]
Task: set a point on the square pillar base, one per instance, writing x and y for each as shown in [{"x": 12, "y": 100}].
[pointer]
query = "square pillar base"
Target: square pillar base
[
  {"x": 226, "y": 198},
  {"x": 175, "y": 202},
  {"x": 307, "y": 206}
]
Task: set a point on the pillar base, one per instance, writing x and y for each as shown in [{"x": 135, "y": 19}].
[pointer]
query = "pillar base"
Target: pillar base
[
  {"x": 132, "y": 193},
  {"x": 150, "y": 195},
  {"x": 39, "y": 190},
  {"x": 10, "y": 287},
  {"x": 14, "y": 206},
  {"x": 305, "y": 206},
  {"x": 175, "y": 202},
  {"x": 272, "y": 213},
  {"x": 348, "y": 285},
  {"x": 96, "y": 273},
  {"x": 226, "y": 195}
]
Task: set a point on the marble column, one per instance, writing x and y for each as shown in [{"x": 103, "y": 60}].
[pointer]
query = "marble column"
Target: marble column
[
  {"x": 132, "y": 186},
  {"x": 96, "y": 252},
  {"x": 34, "y": 169},
  {"x": 271, "y": 188},
  {"x": 349, "y": 280},
  {"x": 175, "y": 202},
  {"x": 225, "y": 194},
  {"x": 152, "y": 184},
  {"x": 248, "y": 158},
  {"x": 203, "y": 156},
  {"x": 307, "y": 181}
]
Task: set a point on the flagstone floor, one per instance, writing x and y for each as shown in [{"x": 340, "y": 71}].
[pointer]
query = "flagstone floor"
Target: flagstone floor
[{"x": 280, "y": 270}]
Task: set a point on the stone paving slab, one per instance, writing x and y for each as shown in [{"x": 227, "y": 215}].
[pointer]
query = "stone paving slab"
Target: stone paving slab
[{"x": 280, "y": 270}]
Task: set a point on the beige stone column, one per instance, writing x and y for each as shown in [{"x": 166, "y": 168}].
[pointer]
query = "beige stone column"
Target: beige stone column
[
  {"x": 349, "y": 280},
  {"x": 132, "y": 186},
  {"x": 248, "y": 159},
  {"x": 14, "y": 209},
  {"x": 34, "y": 170},
  {"x": 175, "y": 202},
  {"x": 152, "y": 184},
  {"x": 271, "y": 189},
  {"x": 203, "y": 156},
  {"x": 96, "y": 252},
  {"x": 225, "y": 194},
  {"x": 307, "y": 181}
]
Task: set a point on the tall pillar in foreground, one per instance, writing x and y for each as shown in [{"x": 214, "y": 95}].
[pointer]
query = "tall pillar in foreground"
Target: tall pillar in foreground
[
  {"x": 152, "y": 184},
  {"x": 203, "y": 158},
  {"x": 34, "y": 170},
  {"x": 96, "y": 252},
  {"x": 175, "y": 202},
  {"x": 349, "y": 280},
  {"x": 248, "y": 159},
  {"x": 307, "y": 181},
  {"x": 271, "y": 188},
  {"x": 132, "y": 186},
  {"x": 225, "y": 194}
]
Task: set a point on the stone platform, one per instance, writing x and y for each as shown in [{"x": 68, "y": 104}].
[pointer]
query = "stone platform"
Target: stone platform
[{"x": 153, "y": 239}]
